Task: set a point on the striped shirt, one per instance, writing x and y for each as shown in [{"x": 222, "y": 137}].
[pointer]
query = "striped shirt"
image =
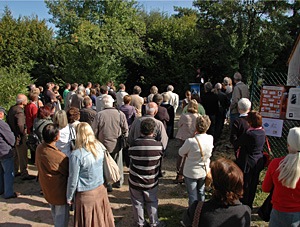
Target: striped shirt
[{"x": 145, "y": 154}]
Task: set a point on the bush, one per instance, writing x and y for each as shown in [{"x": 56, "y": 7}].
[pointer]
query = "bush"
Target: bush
[{"x": 12, "y": 82}]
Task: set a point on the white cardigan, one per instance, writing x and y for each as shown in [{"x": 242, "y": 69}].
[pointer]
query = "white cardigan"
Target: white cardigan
[{"x": 194, "y": 164}]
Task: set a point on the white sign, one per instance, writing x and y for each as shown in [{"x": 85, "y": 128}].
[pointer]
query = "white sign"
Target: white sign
[
  {"x": 273, "y": 127},
  {"x": 293, "y": 105}
]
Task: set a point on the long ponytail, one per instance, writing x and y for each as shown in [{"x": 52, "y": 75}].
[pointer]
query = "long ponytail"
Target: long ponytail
[{"x": 289, "y": 169}]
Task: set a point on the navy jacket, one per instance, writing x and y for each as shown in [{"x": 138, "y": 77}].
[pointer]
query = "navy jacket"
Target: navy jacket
[{"x": 7, "y": 140}]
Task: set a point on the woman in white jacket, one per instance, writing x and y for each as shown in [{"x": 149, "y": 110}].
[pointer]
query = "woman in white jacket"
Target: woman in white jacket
[{"x": 197, "y": 151}]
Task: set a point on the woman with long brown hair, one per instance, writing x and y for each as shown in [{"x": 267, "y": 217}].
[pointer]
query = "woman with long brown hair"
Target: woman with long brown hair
[{"x": 224, "y": 208}]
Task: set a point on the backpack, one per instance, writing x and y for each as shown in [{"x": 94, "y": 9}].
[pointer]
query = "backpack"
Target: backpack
[{"x": 33, "y": 139}]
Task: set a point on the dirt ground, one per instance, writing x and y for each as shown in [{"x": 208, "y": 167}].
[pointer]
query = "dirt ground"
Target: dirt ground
[{"x": 31, "y": 209}]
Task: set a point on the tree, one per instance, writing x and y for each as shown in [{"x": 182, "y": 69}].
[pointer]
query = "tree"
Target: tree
[
  {"x": 247, "y": 34},
  {"x": 169, "y": 44},
  {"x": 101, "y": 35},
  {"x": 24, "y": 46}
]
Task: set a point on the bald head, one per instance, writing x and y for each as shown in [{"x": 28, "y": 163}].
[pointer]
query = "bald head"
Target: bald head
[
  {"x": 151, "y": 108},
  {"x": 21, "y": 99}
]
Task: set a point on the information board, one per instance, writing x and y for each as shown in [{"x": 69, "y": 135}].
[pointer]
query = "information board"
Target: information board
[
  {"x": 273, "y": 127},
  {"x": 273, "y": 102},
  {"x": 293, "y": 104}
]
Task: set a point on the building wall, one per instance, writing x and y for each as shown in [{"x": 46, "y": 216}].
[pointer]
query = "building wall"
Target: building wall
[{"x": 294, "y": 66}]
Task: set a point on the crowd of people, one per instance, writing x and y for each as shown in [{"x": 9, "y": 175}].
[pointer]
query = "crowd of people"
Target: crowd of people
[{"x": 76, "y": 128}]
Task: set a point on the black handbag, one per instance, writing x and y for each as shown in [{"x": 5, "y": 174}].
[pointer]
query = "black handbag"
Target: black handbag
[
  {"x": 264, "y": 212},
  {"x": 72, "y": 139},
  {"x": 122, "y": 139},
  {"x": 33, "y": 139}
]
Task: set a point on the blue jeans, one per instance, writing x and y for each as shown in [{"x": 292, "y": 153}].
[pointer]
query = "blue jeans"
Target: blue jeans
[
  {"x": 284, "y": 219},
  {"x": 139, "y": 198},
  {"x": 195, "y": 189},
  {"x": 60, "y": 214},
  {"x": 7, "y": 177}
]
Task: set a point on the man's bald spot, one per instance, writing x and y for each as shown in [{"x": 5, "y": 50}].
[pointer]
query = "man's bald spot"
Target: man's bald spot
[
  {"x": 21, "y": 99},
  {"x": 151, "y": 108}
]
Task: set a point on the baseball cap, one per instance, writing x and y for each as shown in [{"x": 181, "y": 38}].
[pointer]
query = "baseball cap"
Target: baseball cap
[{"x": 2, "y": 109}]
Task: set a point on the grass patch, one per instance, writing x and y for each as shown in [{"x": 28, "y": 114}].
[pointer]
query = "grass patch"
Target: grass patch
[{"x": 171, "y": 214}]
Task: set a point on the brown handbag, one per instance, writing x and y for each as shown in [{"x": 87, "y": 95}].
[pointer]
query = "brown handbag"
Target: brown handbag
[{"x": 208, "y": 178}]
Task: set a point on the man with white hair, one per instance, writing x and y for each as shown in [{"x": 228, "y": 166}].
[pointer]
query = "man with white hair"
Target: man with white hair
[
  {"x": 108, "y": 125},
  {"x": 240, "y": 90},
  {"x": 99, "y": 100},
  {"x": 16, "y": 121},
  {"x": 159, "y": 132},
  {"x": 240, "y": 125},
  {"x": 77, "y": 99},
  {"x": 174, "y": 98}
]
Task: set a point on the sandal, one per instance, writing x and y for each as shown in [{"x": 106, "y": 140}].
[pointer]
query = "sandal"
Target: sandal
[{"x": 179, "y": 179}]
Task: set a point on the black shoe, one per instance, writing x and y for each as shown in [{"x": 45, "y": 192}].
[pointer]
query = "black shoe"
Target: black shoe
[
  {"x": 17, "y": 174},
  {"x": 162, "y": 224},
  {"x": 116, "y": 185},
  {"x": 109, "y": 188},
  {"x": 15, "y": 195},
  {"x": 179, "y": 179},
  {"x": 29, "y": 177}
]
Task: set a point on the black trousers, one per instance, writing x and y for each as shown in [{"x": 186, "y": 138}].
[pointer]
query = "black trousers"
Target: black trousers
[{"x": 251, "y": 180}]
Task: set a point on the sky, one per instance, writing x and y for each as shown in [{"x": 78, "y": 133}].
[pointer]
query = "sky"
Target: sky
[{"x": 38, "y": 7}]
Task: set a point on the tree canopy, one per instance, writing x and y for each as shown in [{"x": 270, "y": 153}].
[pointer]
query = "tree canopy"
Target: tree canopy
[{"x": 99, "y": 41}]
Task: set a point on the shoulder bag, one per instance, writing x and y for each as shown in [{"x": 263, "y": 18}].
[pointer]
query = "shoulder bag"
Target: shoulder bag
[
  {"x": 111, "y": 170},
  {"x": 122, "y": 139},
  {"x": 33, "y": 139},
  {"x": 197, "y": 214},
  {"x": 264, "y": 212},
  {"x": 72, "y": 139},
  {"x": 208, "y": 178}
]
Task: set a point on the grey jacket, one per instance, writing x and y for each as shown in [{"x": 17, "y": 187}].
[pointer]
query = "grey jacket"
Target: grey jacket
[{"x": 240, "y": 90}]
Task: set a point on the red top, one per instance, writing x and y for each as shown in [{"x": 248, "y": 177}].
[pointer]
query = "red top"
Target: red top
[
  {"x": 284, "y": 199},
  {"x": 31, "y": 111}
]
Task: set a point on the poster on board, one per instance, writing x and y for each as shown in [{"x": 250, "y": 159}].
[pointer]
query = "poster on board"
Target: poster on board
[
  {"x": 195, "y": 88},
  {"x": 273, "y": 127},
  {"x": 273, "y": 101},
  {"x": 293, "y": 104}
]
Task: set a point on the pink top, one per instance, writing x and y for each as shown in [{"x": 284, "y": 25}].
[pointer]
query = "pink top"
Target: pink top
[
  {"x": 284, "y": 199},
  {"x": 187, "y": 126}
]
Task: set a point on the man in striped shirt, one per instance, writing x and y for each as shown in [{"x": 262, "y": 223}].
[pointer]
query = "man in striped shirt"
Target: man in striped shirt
[{"x": 146, "y": 155}]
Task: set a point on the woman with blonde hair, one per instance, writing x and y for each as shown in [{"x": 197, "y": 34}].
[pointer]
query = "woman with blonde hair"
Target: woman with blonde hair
[
  {"x": 153, "y": 91},
  {"x": 197, "y": 151},
  {"x": 85, "y": 181},
  {"x": 283, "y": 177},
  {"x": 67, "y": 133},
  {"x": 186, "y": 129}
]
